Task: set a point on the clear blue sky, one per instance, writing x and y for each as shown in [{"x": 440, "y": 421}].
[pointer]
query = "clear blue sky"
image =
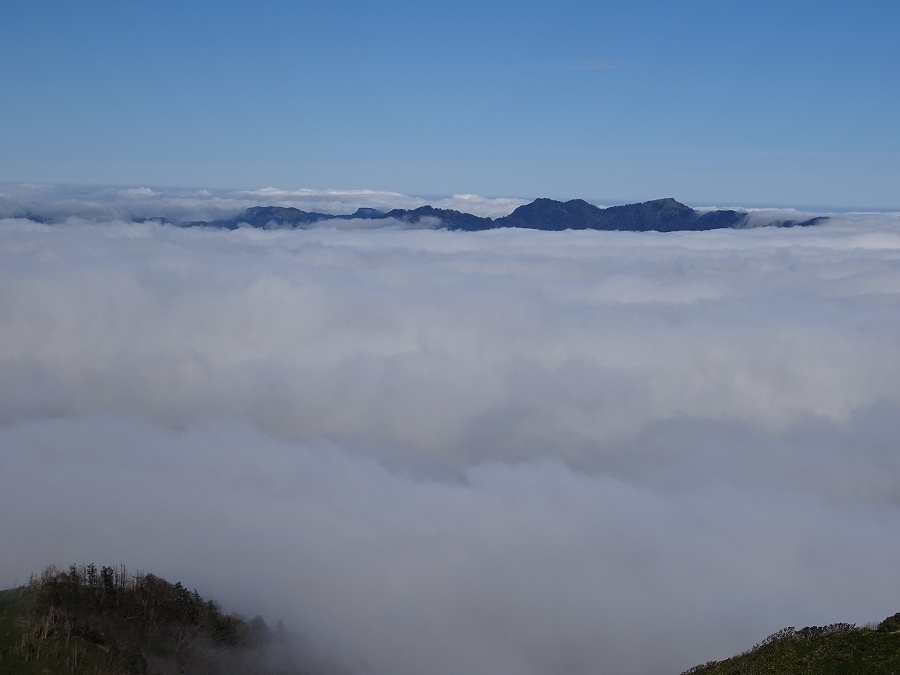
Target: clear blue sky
[{"x": 711, "y": 102}]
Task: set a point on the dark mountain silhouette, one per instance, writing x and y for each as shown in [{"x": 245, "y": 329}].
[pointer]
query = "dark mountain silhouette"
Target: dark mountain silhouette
[
  {"x": 450, "y": 219},
  {"x": 267, "y": 216},
  {"x": 661, "y": 215}
]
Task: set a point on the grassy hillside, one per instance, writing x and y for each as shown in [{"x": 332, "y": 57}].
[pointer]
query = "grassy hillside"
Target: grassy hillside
[
  {"x": 838, "y": 649},
  {"x": 107, "y": 622}
]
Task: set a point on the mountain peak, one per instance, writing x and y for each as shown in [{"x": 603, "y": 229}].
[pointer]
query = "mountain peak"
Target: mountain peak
[{"x": 661, "y": 215}]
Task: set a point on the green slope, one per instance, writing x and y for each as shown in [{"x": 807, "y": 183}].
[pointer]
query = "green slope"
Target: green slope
[
  {"x": 838, "y": 649},
  {"x": 107, "y": 622}
]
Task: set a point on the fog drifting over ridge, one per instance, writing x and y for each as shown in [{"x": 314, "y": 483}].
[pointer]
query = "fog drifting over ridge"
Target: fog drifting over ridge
[
  {"x": 58, "y": 203},
  {"x": 443, "y": 452},
  {"x": 51, "y": 203}
]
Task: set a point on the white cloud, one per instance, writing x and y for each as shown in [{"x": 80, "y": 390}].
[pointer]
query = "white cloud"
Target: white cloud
[
  {"x": 481, "y": 206},
  {"x": 99, "y": 204},
  {"x": 441, "y": 452},
  {"x": 137, "y": 192}
]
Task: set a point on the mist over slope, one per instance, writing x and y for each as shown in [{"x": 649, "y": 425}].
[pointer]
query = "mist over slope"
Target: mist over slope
[{"x": 438, "y": 452}]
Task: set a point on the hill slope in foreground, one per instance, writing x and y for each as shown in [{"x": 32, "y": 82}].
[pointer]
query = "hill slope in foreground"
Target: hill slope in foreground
[
  {"x": 107, "y": 622},
  {"x": 838, "y": 649}
]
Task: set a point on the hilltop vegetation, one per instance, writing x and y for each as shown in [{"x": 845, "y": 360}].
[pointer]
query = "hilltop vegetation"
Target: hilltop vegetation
[
  {"x": 90, "y": 621},
  {"x": 838, "y": 649},
  {"x": 108, "y": 622}
]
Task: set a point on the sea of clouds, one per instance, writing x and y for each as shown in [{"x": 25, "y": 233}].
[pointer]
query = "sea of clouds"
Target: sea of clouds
[
  {"x": 432, "y": 452},
  {"x": 62, "y": 203}
]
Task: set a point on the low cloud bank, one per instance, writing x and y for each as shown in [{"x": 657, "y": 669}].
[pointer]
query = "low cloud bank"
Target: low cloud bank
[
  {"x": 58, "y": 203},
  {"x": 441, "y": 452}
]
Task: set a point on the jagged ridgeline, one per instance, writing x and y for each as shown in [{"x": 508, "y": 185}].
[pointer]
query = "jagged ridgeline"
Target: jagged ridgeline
[
  {"x": 837, "y": 649},
  {"x": 105, "y": 621},
  {"x": 661, "y": 215}
]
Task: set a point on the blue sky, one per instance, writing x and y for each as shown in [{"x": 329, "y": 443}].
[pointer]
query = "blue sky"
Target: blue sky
[{"x": 763, "y": 103}]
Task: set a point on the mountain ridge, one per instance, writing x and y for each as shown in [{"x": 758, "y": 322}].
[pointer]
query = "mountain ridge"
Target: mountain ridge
[{"x": 659, "y": 215}]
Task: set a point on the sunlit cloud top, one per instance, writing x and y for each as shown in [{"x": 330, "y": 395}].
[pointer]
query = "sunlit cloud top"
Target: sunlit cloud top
[{"x": 510, "y": 451}]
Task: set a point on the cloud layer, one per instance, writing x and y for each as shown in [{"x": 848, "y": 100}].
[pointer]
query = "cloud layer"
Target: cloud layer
[
  {"x": 58, "y": 203},
  {"x": 443, "y": 452}
]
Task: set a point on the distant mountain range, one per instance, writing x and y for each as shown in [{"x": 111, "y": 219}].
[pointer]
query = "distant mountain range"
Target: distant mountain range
[{"x": 660, "y": 215}]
